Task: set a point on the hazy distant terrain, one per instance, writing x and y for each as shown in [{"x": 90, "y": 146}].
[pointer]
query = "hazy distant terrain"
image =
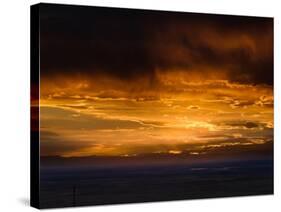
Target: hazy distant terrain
[{"x": 128, "y": 183}]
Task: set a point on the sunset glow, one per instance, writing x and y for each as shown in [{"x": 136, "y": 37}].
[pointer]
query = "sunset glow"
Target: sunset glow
[
  {"x": 172, "y": 85},
  {"x": 82, "y": 118}
]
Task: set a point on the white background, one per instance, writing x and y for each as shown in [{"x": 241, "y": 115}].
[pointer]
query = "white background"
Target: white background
[{"x": 14, "y": 103}]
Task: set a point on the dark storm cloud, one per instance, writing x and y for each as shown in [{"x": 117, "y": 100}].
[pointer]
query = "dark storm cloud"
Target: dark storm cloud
[{"x": 131, "y": 43}]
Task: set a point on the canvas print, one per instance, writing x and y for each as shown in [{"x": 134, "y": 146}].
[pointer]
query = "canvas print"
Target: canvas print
[{"x": 131, "y": 105}]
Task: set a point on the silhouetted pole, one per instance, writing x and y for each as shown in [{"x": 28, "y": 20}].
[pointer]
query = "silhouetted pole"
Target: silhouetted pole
[{"x": 74, "y": 195}]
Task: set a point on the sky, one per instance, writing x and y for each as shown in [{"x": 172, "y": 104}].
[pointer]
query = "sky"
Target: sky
[{"x": 119, "y": 82}]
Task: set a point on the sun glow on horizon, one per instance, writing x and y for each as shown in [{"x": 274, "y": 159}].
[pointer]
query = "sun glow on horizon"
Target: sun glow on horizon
[{"x": 90, "y": 118}]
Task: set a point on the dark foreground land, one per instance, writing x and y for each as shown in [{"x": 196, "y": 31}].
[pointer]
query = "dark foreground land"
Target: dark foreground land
[{"x": 90, "y": 185}]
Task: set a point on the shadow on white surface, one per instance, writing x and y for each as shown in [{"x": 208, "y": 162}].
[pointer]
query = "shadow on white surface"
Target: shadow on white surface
[{"x": 24, "y": 201}]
